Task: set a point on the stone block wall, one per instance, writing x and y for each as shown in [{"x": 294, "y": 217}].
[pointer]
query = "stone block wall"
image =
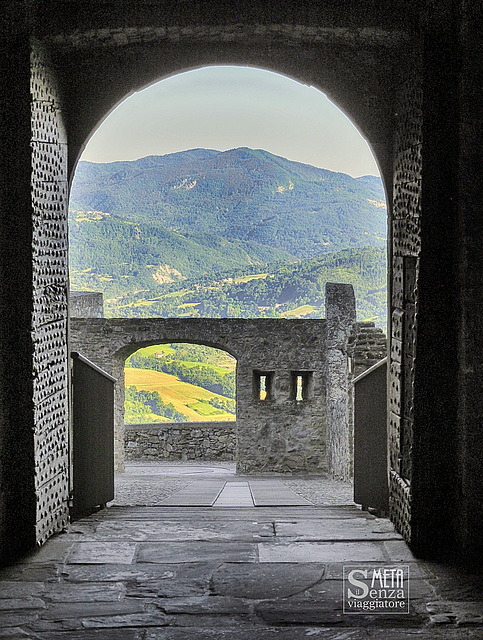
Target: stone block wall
[
  {"x": 287, "y": 430},
  {"x": 341, "y": 316},
  {"x": 278, "y": 434},
  {"x": 86, "y": 304},
  {"x": 182, "y": 441},
  {"x": 367, "y": 345},
  {"x": 50, "y": 298}
]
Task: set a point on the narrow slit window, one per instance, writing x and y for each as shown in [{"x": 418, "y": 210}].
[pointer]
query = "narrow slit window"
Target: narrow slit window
[
  {"x": 299, "y": 388},
  {"x": 262, "y": 385},
  {"x": 262, "y": 395},
  {"x": 301, "y": 385}
]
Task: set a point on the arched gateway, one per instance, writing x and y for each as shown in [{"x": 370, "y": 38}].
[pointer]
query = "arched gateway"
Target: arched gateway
[
  {"x": 409, "y": 75},
  {"x": 284, "y": 430}
]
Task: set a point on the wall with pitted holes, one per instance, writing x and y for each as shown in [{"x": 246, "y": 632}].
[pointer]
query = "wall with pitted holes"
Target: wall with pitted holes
[{"x": 50, "y": 290}]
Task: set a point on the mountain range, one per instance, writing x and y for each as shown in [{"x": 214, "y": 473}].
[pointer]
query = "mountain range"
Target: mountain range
[{"x": 163, "y": 222}]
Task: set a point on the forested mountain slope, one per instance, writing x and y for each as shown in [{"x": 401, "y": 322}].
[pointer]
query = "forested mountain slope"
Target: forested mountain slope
[{"x": 234, "y": 233}]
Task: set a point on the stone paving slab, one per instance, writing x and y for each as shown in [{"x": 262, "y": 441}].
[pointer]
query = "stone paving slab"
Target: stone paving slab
[
  {"x": 172, "y": 552},
  {"x": 321, "y": 552},
  {"x": 101, "y": 553},
  {"x": 179, "y": 531},
  {"x": 201, "y": 493},
  {"x": 354, "y": 529},
  {"x": 148, "y": 580},
  {"x": 257, "y": 581},
  {"x": 64, "y": 592},
  {"x": 207, "y": 604},
  {"x": 234, "y": 494},
  {"x": 268, "y": 493},
  {"x": 45, "y": 572}
]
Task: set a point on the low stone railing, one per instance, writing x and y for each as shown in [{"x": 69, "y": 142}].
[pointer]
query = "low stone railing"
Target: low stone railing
[{"x": 180, "y": 441}]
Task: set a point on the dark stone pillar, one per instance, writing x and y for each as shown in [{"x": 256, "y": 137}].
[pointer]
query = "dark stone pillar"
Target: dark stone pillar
[
  {"x": 469, "y": 503},
  {"x": 17, "y": 466},
  {"x": 435, "y": 372}
]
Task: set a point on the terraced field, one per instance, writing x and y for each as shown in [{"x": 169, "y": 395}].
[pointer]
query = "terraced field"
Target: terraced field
[{"x": 187, "y": 398}]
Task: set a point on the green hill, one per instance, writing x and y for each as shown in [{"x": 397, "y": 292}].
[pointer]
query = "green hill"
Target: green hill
[
  {"x": 282, "y": 290},
  {"x": 240, "y": 233},
  {"x": 242, "y": 195}
]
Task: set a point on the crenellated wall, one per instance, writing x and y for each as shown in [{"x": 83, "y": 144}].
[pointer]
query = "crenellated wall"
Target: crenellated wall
[
  {"x": 286, "y": 431},
  {"x": 86, "y": 304}
]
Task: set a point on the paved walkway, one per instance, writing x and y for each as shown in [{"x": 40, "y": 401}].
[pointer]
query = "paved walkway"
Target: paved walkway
[
  {"x": 231, "y": 573},
  {"x": 153, "y": 484}
]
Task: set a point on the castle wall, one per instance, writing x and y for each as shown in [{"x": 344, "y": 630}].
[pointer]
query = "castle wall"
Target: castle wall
[
  {"x": 422, "y": 111},
  {"x": 86, "y": 304},
  {"x": 278, "y": 434},
  {"x": 180, "y": 441}
]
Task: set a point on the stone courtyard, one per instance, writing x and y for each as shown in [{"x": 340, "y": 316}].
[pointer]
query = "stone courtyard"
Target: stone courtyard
[{"x": 132, "y": 572}]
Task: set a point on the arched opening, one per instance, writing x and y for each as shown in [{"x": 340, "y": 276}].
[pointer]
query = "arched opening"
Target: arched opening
[
  {"x": 156, "y": 233},
  {"x": 279, "y": 280},
  {"x": 180, "y": 403}
]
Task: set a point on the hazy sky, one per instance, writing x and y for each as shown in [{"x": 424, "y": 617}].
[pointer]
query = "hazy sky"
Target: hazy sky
[{"x": 227, "y": 107}]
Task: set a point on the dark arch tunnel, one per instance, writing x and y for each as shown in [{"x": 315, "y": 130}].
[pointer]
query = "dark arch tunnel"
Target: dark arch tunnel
[{"x": 405, "y": 73}]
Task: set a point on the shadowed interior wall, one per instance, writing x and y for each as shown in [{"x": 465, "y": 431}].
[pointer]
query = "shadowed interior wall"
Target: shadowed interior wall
[{"x": 369, "y": 57}]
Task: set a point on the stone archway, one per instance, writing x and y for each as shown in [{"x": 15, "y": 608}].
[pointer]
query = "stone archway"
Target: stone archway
[
  {"x": 400, "y": 69},
  {"x": 280, "y": 434}
]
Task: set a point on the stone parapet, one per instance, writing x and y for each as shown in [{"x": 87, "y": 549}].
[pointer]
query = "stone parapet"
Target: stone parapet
[{"x": 180, "y": 441}]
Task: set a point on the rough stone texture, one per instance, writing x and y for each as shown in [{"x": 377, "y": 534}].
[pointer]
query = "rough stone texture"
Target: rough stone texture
[
  {"x": 365, "y": 56},
  {"x": 278, "y": 434},
  {"x": 341, "y": 316},
  {"x": 367, "y": 346},
  {"x": 182, "y": 441},
  {"x": 122, "y": 574},
  {"x": 86, "y": 304},
  {"x": 406, "y": 245},
  {"x": 50, "y": 289}
]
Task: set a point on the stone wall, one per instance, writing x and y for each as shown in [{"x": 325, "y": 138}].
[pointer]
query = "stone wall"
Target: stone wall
[
  {"x": 86, "y": 304},
  {"x": 278, "y": 434},
  {"x": 367, "y": 345},
  {"x": 405, "y": 249},
  {"x": 341, "y": 315},
  {"x": 182, "y": 441}
]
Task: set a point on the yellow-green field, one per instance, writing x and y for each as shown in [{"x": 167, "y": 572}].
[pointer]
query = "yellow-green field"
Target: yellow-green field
[
  {"x": 184, "y": 396},
  {"x": 299, "y": 312},
  {"x": 256, "y": 276}
]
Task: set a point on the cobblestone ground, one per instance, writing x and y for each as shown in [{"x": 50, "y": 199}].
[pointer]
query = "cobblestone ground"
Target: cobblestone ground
[{"x": 151, "y": 483}]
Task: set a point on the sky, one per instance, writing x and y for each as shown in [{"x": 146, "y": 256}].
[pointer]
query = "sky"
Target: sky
[{"x": 227, "y": 107}]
